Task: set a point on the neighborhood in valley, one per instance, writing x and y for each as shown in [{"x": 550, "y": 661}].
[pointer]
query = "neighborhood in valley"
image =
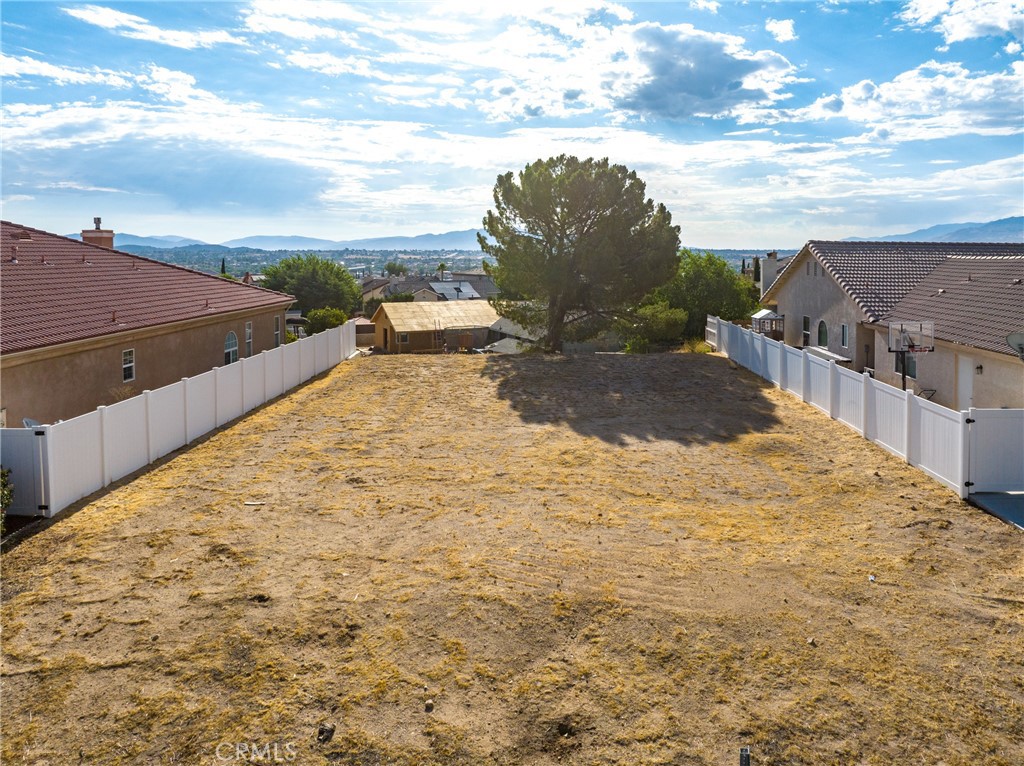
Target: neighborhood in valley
[{"x": 693, "y": 433}]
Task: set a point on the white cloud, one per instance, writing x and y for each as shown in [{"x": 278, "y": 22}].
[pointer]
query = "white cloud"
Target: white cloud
[
  {"x": 705, "y": 5},
  {"x": 959, "y": 20},
  {"x": 21, "y": 67},
  {"x": 934, "y": 100},
  {"x": 138, "y": 28},
  {"x": 781, "y": 29},
  {"x": 1013, "y": 47}
]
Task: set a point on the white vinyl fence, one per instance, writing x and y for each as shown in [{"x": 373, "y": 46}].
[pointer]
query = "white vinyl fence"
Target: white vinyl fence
[
  {"x": 970, "y": 451},
  {"x": 53, "y": 466}
]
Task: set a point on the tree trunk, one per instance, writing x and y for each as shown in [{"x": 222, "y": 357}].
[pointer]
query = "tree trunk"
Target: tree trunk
[{"x": 556, "y": 323}]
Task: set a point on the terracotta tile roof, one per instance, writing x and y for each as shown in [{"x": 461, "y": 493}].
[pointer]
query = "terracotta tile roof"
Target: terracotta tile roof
[
  {"x": 973, "y": 300},
  {"x": 61, "y": 290},
  {"x": 877, "y": 275}
]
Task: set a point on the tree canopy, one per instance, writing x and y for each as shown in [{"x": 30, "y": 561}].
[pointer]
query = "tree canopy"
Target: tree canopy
[
  {"x": 315, "y": 282},
  {"x": 706, "y": 284},
  {"x": 575, "y": 244},
  {"x": 318, "y": 320}
]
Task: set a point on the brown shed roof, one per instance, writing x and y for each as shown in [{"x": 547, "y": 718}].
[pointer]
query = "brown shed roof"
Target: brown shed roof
[
  {"x": 975, "y": 301},
  {"x": 423, "y": 316},
  {"x": 57, "y": 290},
  {"x": 877, "y": 275}
]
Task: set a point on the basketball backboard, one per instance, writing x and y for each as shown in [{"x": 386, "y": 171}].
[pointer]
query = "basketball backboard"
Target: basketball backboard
[{"x": 912, "y": 337}]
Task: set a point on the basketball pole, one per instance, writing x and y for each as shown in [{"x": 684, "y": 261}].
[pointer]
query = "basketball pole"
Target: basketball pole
[{"x": 903, "y": 367}]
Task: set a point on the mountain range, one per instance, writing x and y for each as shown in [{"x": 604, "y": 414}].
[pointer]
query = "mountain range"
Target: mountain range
[{"x": 1002, "y": 230}]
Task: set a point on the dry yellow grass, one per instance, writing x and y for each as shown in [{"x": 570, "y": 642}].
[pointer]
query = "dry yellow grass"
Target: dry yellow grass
[{"x": 591, "y": 560}]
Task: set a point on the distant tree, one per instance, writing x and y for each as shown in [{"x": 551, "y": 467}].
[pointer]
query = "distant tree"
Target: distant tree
[
  {"x": 318, "y": 320},
  {"x": 223, "y": 265},
  {"x": 441, "y": 267},
  {"x": 654, "y": 321},
  {"x": 315, "y": 282},
  {"x": 706, "y": 284},
  {"x": 743, "y": 266},
  {"x": 395, "y": 268},
  {"x": 757, "y": 269},
  {"x": 575, "y": 243}
]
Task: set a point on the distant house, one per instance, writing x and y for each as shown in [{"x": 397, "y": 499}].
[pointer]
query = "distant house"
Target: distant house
[
  {"x": 975, "y": 302},
  {"x": 433, "y": 326},
  {"x": 836, "y": 299},
  {"x": 461, "y": 286},
  {"x": 86, "y": 325}
]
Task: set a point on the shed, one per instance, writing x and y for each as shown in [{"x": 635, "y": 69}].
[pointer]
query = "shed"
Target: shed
[{"x": 428, "y": 327}]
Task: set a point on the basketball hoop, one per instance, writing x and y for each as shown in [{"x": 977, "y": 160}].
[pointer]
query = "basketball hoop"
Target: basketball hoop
[{"x": 910, "y": 338}]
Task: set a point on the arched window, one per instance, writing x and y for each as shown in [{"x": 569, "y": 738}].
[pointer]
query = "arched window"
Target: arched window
[
  {"x": 822, "y": 334},
  {"x": 231, "y": 348}
]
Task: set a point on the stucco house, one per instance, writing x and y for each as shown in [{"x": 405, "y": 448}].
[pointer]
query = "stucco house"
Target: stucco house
[
  {"x": 975, "y": 302},
  {"x": 431, "y": 326},
  {"x": 86, "y": 325},
  {"x": 836, "y": 299}
]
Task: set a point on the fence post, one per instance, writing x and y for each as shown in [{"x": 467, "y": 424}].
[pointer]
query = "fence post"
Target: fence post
[
  {"x": 265, "y": 354},
  {"x": 242, "y": 384},
  {"x": 865, "y": 404},
  {"x": 966, "y": 437},
  {"x": 184, "y": 407},
  {"x": 765, "y": 367},
  {"x": 149, "y": 426},
  {"x": 908, "y": 402},
  {"x": 833, "y": 386},
  {"x": 805, "y": 373},
  {"x": 104, "y": 451},
  {"x": 783, "y": 378},
  {"x": 216, "y": 392}
]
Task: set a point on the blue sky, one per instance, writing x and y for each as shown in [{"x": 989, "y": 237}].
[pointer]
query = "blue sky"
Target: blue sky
[{"x": 758, "y": 124}]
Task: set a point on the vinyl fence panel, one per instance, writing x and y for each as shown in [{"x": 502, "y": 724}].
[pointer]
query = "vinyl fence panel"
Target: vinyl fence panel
[
  {"x": 307, "y": 367},
  {"x": 937, "y": 442},
  {"x": 254, "y": 382},
  {"x": 849, "y": 392},
  {"x": 273, "y": 372},
  {"x": 996, "y": 450},
  {"x": 166, "y": 419},
  {"x": 888, "y": 415},
  {"x": 126, "y": 445},
  {"x": 201, "y": 404},
  {"x": 818, "y": 385},
  {"x": 292, "y": 365},
  {"x": 76, "y": 463},
  {"x": 793, "y": 370},
  {"x": 229, "y": 393},
  {"x": 773, "y": 361},
  {"x": 23, "y": 451}
]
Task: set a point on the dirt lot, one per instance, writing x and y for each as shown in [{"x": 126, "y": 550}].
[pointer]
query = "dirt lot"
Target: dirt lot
[{"x": 590, "y": 560}]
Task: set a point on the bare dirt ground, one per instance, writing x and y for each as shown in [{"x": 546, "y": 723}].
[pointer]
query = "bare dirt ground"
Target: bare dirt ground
[{"x": 589, "y": 560}]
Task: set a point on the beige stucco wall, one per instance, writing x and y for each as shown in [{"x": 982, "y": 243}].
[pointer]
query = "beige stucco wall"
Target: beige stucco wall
[
  {"x": 1000, "y": 383},
  {"x": 809, "y": 291},
  {"x": 61, "y": 382}
]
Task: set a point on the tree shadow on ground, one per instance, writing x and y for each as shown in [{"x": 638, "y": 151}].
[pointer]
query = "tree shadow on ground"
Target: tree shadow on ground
[{"x": 686, "y": 398}]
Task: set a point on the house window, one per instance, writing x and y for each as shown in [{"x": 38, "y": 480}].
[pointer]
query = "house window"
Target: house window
[
  {"x": 844, "y": 335},
  {"x": 248, "y": 339},
  {"x": 403, "y": 337},
  {"x": 128, "y": 365},
  {"x": 808, "y": 267},
  {"x": 807, "y": 332},
  {"x": 822, "y": 334},
  {"x": 277, "y": 331},
  {"x": 231, "y": 348},
  {"x": 815, "y": 268},
  {"x": 911, "y": 365}
]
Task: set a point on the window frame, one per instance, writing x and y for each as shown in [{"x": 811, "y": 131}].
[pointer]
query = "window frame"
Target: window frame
[
  {"x": 127, "y": 367},
  {"x": 277, "y": 331},
  {"x": 844, "y": 335},
  {"x": 806, "y": 331},
  {"x": 248, "y": 339},
  {"x": 911, "y": 365},
  {"x": 230, "y": 351},
  {"x": 401, "y": 338},
  {"x": 822, "y": 330}
]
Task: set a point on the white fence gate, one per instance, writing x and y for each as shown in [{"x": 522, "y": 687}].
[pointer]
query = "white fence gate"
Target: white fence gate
[
  {"x": 53, "y": 466},
  {"x": 970, "y": 451}
]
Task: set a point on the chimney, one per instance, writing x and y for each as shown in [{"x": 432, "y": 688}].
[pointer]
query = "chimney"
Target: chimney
[
  {"x": 769, "y": 268},
  {"x": 98, "y": 236}
]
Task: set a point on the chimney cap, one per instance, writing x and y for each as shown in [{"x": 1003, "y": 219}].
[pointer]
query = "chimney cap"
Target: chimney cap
[{"x": 97, "y": 221}]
